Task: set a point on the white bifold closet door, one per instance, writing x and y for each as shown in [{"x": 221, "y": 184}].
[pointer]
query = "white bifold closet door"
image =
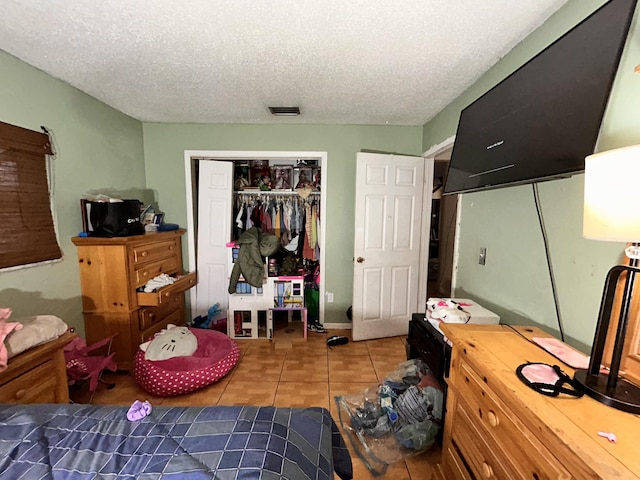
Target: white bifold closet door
[{"x": 215, "y": 197}]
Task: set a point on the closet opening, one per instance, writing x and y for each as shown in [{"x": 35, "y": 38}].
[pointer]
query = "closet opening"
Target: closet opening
[{"x": 280, "y": 193}]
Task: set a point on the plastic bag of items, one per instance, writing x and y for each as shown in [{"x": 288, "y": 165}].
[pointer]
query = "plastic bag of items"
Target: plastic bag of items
[{"x": 394, "y": 419}]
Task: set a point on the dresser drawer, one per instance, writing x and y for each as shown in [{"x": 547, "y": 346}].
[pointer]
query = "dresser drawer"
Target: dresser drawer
[
  {"x": 150, "y": 270},
  {"x": 502, "y": 427},
  {"x": 168, "y": 293},
  {"x": 452, "y": 466},
  {"x": 150, "y": 315},
  {"x": 484, "y": 461},
  {"x": 176, "y": 317},
  {"x": 38, "y": 385},
  {"x": 150, "y": 252}
]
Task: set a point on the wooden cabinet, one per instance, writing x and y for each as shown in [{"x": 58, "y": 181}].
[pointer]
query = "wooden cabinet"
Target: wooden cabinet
[
  {"x": 38, "y": 375},
  {"x": 498, "y": 428},
  {"x": 428, "y": 344},
  {"x": 111, "y": 272}
]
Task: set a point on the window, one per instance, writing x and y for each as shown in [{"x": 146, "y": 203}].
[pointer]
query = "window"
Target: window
[{"x": 27, "y": 234}]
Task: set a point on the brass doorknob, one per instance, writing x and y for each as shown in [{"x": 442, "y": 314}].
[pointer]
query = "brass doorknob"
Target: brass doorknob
[{"x": 359, "y": 259}]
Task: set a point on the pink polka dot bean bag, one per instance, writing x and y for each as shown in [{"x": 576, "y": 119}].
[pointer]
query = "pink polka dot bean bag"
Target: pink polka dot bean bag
[{"x": 214, "y": 357}]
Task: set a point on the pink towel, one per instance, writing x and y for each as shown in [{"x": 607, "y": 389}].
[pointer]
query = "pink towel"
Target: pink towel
[
  {"x": 5, "y": 329},
  {"x": 563, "y": 352}
]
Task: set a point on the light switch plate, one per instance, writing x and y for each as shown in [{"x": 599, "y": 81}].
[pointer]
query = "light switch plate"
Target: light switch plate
[{"x": 483, "y": 256}]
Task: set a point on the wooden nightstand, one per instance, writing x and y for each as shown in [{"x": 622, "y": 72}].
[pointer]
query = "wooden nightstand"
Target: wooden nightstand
[{"x": 38, "y": 375}]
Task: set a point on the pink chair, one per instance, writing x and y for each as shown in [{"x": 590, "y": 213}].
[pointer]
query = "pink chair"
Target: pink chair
[{"x": 86, "y": 363}]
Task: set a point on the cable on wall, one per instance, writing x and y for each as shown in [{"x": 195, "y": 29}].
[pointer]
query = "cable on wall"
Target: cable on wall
[{"x": 548, "y": 255}]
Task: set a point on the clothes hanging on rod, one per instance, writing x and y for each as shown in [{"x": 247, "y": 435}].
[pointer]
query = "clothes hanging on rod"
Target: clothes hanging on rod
[{"x": 286, "y": 216}]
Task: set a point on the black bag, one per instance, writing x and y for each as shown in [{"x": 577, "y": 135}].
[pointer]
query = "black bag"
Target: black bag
[{"x": 116, "y": 219}]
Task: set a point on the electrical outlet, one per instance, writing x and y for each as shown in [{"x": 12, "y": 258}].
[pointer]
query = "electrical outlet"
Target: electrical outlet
[
  {"x": 330, "y": 297},
  {"x": 483, "y": 256}
]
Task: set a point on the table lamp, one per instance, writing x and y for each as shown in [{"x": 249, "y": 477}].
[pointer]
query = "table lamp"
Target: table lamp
[{"x": 612, "y": 213}]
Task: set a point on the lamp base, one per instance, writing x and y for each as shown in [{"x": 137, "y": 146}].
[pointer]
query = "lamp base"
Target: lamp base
[{"x": 625, "y": 396}]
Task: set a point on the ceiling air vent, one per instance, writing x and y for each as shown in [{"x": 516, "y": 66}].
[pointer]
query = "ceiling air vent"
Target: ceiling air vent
[{"x": 285, "y": 111}]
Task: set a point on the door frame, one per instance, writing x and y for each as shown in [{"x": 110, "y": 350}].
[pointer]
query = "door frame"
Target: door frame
[
  {"x": 191, "y": 156},
  {"x": 433, "y": 152}
]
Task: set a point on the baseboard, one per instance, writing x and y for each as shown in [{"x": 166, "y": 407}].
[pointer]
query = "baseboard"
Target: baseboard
[{"x": 338, "y": 326}]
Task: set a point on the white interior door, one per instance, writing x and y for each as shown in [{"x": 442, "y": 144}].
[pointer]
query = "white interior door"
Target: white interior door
[
  {"x": 215, "y": 196},
  {"x": 387, "y": 246}
]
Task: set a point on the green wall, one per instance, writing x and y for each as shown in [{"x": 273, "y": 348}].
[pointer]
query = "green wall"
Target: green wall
[
  {"x": 97, "y": 148},
  {"x": 164, "y": 146},
  {"x": 515, "y": 281},
  {"x": 102, "y": 150}
]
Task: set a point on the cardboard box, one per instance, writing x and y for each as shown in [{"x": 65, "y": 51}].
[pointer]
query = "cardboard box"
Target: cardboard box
[{"x": 478, "y": 313}]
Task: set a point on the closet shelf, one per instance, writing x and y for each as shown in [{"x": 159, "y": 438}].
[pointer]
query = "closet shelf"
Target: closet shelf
[{"x": 270, "y": 192}]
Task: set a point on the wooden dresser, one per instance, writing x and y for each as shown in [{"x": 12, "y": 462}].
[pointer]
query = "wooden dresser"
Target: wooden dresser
[
  {"x": 112, "y": 270},
  {"x": 38, "y": 375},
  {"x": 498, "y": 428}
]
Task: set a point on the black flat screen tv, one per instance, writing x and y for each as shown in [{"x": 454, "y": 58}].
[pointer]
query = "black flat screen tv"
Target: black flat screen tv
[{"x": 542, "y": 120}]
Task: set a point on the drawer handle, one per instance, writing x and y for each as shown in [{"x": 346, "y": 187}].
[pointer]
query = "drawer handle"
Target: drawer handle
[
  {"x": 487, "y": 471},
  {"x": 493, "y": 418},
  {"x": 171, "y": 247},
  {"x": 144, "y": 254},
  {"x": 21, "y": 393}
]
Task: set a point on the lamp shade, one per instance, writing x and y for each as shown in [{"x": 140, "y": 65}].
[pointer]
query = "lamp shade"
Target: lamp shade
[{"x": 612, "y": 195}]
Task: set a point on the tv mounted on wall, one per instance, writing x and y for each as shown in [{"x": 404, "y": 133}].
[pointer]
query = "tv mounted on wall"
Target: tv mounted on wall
[{"x": 542, "y": 120}]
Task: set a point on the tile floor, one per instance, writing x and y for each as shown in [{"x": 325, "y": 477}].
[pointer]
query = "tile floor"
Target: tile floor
[{"x": 291, "y": 372}]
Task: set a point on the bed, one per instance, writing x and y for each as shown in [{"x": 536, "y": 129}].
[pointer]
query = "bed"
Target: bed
[{"x": 74, "y": 442}]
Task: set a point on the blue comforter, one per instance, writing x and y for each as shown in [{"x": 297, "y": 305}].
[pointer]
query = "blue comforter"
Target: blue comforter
[{"x": 74, "y": 442}]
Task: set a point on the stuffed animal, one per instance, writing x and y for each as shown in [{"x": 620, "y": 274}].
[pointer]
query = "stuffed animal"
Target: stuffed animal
[
  {"x": 5, "y": 329},
  {"x": 264, "y": 183},
  {"x": 170, "y": 342}
]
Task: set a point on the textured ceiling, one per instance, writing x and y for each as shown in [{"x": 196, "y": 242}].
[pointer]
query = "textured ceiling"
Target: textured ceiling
[{"x": 212, "y": 61}]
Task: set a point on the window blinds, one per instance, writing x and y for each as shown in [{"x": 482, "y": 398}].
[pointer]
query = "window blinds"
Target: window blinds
[{"x": 27, "y": 233}]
